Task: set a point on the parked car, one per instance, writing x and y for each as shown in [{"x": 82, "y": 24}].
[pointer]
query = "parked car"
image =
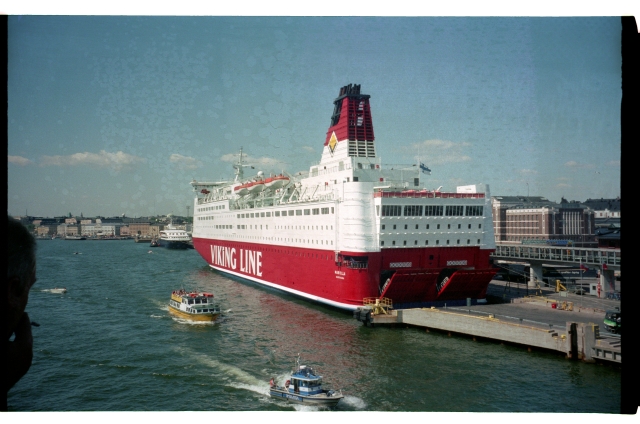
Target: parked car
[{"x": 612, "y": 321}]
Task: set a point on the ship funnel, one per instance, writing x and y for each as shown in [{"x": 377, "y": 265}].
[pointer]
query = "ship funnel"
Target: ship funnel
[{"x": 351, "y": 118}]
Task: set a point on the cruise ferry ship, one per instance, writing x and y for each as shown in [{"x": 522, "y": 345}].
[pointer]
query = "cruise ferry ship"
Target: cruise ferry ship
[{"x": 349, "y": 229}]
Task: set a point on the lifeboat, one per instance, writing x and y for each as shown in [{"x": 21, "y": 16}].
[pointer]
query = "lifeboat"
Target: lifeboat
[
  {"x": 241, "y": 190},
  {"x": 274, "y": 183},
  {"x": 256, "y": 186},
  {"x": 249, "y": 187}
]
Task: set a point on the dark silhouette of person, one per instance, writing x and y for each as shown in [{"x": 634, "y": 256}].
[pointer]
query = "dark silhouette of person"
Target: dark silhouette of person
[{"x": 17, "y": 343}]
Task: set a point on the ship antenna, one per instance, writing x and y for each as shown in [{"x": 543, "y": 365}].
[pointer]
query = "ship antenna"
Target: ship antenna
[{"x": 238, "y": 167}]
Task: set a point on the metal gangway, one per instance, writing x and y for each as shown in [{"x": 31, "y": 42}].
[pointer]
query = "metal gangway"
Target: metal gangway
[{"x": 603, "y": 258}]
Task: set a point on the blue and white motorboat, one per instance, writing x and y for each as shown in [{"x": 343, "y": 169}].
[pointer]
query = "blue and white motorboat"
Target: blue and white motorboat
[{"x": 305, "y": 386}]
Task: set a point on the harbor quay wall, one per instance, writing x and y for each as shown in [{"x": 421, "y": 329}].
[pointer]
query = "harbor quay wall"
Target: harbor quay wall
[
  {"x": 579, "y": 340},
  {"x": 486, "y": 327}
]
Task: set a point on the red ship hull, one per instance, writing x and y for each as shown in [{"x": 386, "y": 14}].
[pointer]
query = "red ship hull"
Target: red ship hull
[{"x": 409, "y": 277}]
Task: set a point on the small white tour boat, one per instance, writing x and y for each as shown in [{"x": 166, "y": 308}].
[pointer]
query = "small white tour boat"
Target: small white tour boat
[{"x": 305, "y": 386}]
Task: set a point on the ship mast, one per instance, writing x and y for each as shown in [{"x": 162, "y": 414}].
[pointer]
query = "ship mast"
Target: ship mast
[{"x": 238, "y": 167}]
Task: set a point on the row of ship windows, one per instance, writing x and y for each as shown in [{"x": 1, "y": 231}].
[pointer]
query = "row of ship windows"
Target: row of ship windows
[
  {"x": 323, "y": 227},
  {"x": 287, "y": 240},
  {"x": 278, "y": 227},
  {"x": 387, "y": 210},
  {"x": 191, "y": 302},
  {"x": 383, "y": 226},
  {"x": 291, "y": 212},
  {"x": 426, "y": 242},
  {"x": 200, "y": 311},
  {"x": 429, "y": 210},
  {"x": 211, "y": 208}
]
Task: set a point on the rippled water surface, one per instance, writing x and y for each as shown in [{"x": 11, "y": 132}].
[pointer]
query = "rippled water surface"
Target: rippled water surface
[{"x": 110, "y": 344}]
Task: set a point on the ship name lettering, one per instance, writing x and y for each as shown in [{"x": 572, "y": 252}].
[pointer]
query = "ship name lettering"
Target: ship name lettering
[
  {"x": 223, "y": 256},
  {"x": 340, "y": 273},
  {"x": 251, "y": 262}
]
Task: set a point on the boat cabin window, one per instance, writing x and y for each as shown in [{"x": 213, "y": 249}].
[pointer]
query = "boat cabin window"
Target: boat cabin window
[{"x": 190, "y": 301}]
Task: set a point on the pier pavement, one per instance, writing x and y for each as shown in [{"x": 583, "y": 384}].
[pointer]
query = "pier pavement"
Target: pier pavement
[{"x": 524, "y": 316}]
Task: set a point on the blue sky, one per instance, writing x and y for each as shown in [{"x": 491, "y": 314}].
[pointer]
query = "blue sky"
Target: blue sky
[{"x": 115, "y": 114}]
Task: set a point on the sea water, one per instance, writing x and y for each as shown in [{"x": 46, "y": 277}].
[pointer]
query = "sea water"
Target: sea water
[{"x": 110, "y": 344}]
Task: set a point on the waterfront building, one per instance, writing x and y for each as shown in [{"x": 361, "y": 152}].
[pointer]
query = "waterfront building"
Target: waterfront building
[
  {"x": 140, "y": 228},
  {"x": 606, "y": 212},
  {"x": 604, "y": 208},
  {"x": 64, "y": 230},
  {"x": 43, "y": 231},
  {"x": 154, "y": 231},
  {"x": 98, "y": 229},
  {"x": 518, "y": 218},
  {"x": 608, "y": 237}
]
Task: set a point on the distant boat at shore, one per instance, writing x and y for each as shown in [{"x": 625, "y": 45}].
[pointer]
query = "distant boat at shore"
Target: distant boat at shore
[{"x": 75, "y": 238}]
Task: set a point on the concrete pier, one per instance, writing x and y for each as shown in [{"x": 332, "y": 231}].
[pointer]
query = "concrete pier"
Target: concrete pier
[{"x": 530, "y": 321}]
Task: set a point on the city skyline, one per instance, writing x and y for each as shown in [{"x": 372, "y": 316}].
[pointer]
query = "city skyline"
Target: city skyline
[{"x": 114, "y": 114}]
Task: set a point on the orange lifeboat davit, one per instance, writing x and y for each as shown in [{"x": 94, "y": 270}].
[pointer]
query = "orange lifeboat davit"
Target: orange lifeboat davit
[{"x": 274, "y": 183}]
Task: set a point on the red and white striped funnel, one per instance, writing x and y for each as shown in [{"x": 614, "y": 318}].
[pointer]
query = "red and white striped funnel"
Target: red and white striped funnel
[{"x": 351, "y": 119}]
